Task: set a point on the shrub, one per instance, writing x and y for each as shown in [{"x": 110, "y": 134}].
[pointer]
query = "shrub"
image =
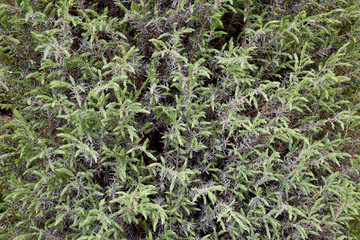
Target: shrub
[{"x": 179, "y": 119}]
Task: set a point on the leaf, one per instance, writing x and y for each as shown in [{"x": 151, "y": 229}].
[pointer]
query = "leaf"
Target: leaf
[
  {"x": 60, "y": 84},
  {"x": 64, "y": 171},
  {"x": 59, "y": 218}
]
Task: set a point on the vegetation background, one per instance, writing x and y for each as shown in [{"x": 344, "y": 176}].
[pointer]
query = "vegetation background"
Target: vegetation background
[{"x": 179, "y": 119}]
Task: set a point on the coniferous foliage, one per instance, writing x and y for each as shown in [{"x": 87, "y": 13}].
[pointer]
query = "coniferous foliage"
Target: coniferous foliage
[{"x": 179, "y": 119}]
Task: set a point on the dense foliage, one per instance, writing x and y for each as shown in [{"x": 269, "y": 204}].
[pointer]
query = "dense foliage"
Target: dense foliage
[{"x": 179, "y": 119}]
